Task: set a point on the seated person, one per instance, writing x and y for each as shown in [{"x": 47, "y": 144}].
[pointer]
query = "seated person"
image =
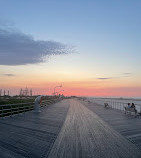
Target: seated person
[
  {"x": 133, "y": 106},
  {"x": 129, "y": 105},
  {"x": 106, "y": 105}
]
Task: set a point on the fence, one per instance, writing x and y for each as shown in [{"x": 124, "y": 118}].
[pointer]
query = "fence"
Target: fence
[
  {"x": 11, "y": 109},
  {"x": 116, "y": 104},
  {"x": 48, "y": 102}
]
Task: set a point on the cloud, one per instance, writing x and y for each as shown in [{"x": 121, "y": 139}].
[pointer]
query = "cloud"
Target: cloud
[
  {"x": 127, "y": 74},
  {"x": 106, "y": 78},
  {"x": 17, "y": 48},
  {"x": 9, "y": 75}
]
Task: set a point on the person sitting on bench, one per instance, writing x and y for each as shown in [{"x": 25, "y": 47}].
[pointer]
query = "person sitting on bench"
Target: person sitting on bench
[
  {"x": 106, "y": 105},
  {"x": 129, "y": 105},
  {"x": 133, "y": 106}
]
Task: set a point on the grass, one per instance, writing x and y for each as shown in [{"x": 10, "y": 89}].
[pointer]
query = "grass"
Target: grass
[
  {"x": 7, "y": 109},
  {"x": 5, "y": 101}
]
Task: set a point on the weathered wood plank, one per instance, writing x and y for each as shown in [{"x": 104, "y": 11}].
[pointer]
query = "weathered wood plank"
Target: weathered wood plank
[
  {"x": 84, "y": 134},
  {"x": 127, "y": 125},
  {"x": 32, "y": 135}
]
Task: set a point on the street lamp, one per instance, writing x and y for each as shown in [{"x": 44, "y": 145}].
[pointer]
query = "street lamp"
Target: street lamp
[
  {"x": 56, "y": 87},
  {"x": 60, "y": 91}
]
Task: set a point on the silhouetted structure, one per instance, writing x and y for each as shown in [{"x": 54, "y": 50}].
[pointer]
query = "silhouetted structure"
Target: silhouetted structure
[{"x": 25, "y": 92}]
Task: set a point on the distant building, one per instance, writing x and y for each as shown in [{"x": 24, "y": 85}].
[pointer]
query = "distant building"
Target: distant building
[
  {"x": 30, "y": 92},
  {"x": 0, "y": 92},
  {"x": 25, "y": 92}
]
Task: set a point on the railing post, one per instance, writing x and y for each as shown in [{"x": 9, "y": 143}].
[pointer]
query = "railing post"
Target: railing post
[
  {"x": 2, "y": 112},
  {"x": 123, "y": 106},
  {"x": 18, "y": 109},
  {"x": 24, "y": 108},
  {"x": 11, "y": 110}
]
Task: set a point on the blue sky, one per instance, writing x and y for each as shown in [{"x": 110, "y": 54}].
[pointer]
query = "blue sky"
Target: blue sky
[
  {"x": 88, "y": 24},
  {"x": 106, "y": 33}
]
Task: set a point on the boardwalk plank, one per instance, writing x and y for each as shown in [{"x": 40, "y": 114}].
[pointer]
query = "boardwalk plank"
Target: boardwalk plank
[
  {"x": 127, "y": 125},
  {"x": 88, "y": 131},
  {"x": 84, "y": 134},
  {"x": 32, "y": 135}
]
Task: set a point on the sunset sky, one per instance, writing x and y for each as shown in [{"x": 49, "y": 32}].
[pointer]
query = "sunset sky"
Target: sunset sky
[{"x": 91, "y": 47}]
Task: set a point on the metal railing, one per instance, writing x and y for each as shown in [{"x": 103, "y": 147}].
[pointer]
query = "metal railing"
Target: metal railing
[{"x": 117, "y": 105}]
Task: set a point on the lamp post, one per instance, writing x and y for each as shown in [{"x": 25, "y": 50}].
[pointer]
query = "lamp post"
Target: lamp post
[
  {"x": 56, "y": 87},
  {"x": 60, "y": 91}
]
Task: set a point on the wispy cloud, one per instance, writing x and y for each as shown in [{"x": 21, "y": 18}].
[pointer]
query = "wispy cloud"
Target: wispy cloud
[
  {"x": 126, "y": 74},
  {"x": 17, "y": 48},
  {"x": 104, "y": 78},
  {"x": 9, "y": 75}
]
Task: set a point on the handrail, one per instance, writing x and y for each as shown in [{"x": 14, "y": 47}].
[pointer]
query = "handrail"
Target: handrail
[
  {"x": 11, "y": 109},
  {"x": 16, "y": 104},
  {"x": 116, "y": 104}
]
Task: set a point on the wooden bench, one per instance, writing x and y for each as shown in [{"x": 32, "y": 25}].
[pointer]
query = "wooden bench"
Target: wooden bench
[
  {"x": 130, "y": 110},
  {"x": 106, "y": 105}
]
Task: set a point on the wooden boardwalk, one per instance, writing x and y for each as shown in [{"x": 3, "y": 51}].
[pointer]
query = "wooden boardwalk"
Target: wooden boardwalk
[
  {"x": 69, "y": 129},
  {"x": 86, "y": 135},
  {"x": 127, "y": 125},
  {"x": 31, "y": 135}
]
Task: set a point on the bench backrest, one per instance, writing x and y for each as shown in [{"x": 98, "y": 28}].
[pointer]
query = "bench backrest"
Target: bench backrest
[{"x": 130, "y": 109}]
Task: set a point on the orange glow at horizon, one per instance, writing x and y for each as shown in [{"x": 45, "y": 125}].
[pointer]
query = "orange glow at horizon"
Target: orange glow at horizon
[
  {"x": 121, "y": 91},
  {"x": 44, "y": 83},
  {"x": 70, "y": 89}
]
